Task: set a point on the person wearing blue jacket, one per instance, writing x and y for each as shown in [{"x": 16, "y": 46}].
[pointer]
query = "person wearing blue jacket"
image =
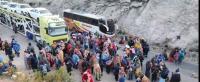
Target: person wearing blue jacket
[{"x": 16, "y": 47}]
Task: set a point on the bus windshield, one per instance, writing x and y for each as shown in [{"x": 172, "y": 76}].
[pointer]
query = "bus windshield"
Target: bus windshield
[
  {"x": 55, "y": 31},
  {"x": 57, "y": 28},
  {"x": 107, "y": 29}
]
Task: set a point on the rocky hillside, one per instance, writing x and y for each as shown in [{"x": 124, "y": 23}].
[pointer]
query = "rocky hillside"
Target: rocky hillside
[{"x": 160, "y": 22}]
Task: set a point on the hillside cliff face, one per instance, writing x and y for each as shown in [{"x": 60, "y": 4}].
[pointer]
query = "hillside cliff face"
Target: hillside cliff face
[{"x": 158, "y": 21}]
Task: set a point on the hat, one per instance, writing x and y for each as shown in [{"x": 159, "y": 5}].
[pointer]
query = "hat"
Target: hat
[
  {"x": 177, "y": 70},
  {"x": 127, "y": 46}
]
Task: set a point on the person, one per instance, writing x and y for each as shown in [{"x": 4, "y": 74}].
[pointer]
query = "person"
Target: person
[
  {"x": 87, "y": 76},
  {"x": 145, "y": 47},
  {"x": 144, "y": 78},
  {"x": 138, "y": 80},
  {"x": 164, "y": 73},
  {"x": 10, "y": 52},
  {"x": 122, "y": 75},
  {"x": 34, "y": 62},
  {"x": 97, "y": 71},
  {"x": 176, "y": 77},
  {"x": 26, "y": 60},
  {"x": 6, "y": 47},
  {"x": 122, "y": 41},
  {"x": 148, "y": 68},
  {"x": 1, "y": 44},
  {"x": 11, "y": 69},
  {"x": 58, "y": 63},
  {"x": 30, "y": 48},
  {"x": 181, "y": 55},
  {"x": 130, "y": 73},
  {"x": 43, "y": 69},
  {"x": 68, "y": 64},
  {"x": 3, "y": 68},
  {"x": 40, "y": 44},
  {"x": 165, "y": 54},
  {"x": 154, "y": 73},
  {"x": 116, "y": 72},
  {"x": 16, "y": 48}
]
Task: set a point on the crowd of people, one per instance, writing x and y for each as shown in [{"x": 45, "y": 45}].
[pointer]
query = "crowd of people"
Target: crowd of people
[
  {"x": 92, "y": 54},
  {"x": 7, "y": 67}
]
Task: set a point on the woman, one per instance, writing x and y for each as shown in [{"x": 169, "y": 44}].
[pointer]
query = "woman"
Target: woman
[
  {"x": 10, "y": 52},
  {"x": 16, "y": 48},
  {"x": 97, "y": 71},
  {"x": 122, "y": 75},
  {"x": 6, "y": 47},
  {"x": 87, "y": 76}
]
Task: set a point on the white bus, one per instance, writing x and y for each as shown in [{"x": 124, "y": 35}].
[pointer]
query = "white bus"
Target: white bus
[{"x": 89, "y": 23}]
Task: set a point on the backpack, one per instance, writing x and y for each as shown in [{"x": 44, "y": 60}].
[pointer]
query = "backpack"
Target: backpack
[{"x": 164, "y": 73}]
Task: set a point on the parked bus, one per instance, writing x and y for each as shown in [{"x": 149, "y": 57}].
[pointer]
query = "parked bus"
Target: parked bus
[{"x": 84, "y": 22}]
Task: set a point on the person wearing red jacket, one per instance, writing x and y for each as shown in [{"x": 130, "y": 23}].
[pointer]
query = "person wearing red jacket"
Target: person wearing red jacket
[{"x": 87, "y": 76}]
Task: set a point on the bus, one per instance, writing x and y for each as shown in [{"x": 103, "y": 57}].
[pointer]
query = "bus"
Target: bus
[{"x": 84, "y": 22}]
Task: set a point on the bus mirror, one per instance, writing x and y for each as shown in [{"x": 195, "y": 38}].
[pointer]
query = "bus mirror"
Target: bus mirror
[{"x": 46, "y": 29}]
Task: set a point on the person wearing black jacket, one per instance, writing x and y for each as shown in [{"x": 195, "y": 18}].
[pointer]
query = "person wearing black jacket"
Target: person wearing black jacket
[
  {"x": 148, "y": 69},
  {"x": 34, "y": 62},
  {"x": 145, "y": 47},
  {"x": 116, "y": 72},
  {"x": 68, "y": 64},
  {"x": 10, "y": 52},
  {"x": 176, "y": 77}
]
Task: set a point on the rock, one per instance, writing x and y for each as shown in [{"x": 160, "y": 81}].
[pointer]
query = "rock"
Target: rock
[{"x": 194, "y": 75}]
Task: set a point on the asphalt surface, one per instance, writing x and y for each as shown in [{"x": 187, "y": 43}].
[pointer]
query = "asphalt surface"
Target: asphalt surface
[{"x": 186, "y": 69}]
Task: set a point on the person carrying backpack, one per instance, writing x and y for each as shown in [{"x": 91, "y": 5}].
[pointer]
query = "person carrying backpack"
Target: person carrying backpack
[{"x": 164, "y": 73}]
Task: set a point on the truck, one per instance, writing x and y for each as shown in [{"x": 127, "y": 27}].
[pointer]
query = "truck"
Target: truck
[
  {"x": 49, "y": 28},
  {"x": 53, "y": 29}
]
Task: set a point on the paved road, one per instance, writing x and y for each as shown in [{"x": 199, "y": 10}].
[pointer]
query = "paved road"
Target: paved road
[{"x": 186, "y": 69}]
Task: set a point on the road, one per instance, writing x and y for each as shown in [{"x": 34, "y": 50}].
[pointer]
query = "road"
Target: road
[{"x": 186, "y": 69}]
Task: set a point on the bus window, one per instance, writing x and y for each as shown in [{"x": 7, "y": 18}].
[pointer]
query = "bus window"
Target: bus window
[{"x": 102, "y": 21}]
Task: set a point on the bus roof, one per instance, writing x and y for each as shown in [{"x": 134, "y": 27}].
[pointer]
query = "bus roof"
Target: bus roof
[
  {"x": 85, "y": 14},
  {"x": 53, "y": 18}
]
